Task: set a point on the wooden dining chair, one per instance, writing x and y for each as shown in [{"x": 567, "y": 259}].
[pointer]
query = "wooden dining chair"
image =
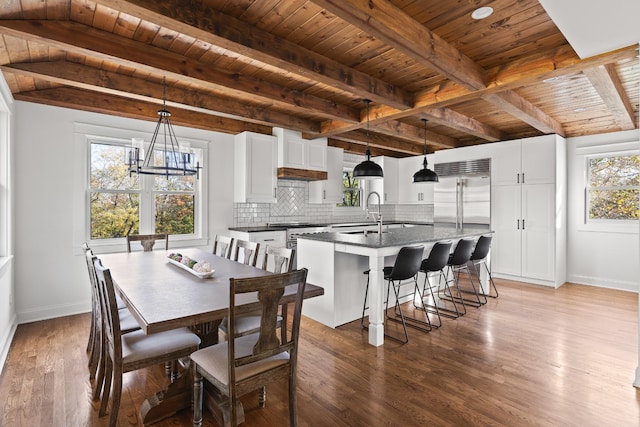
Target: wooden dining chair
[
  {"x": 147, "y": 241},
  {"x": 127, "y": 321},
  {"x": 222, "y": 246},
  {"x": 249, "y": 252},
  {"x": 135, "y": 350},
  {"x": 276, "y": 260},
  {"x": 242, "y": 365}
]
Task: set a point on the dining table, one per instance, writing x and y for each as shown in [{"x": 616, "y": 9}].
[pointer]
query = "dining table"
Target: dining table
[{"x": 162, "y": 295}]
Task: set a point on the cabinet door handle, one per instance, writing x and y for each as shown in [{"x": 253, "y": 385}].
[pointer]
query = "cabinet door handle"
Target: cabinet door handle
[
  {"x": 523, "y": 177},
  {"x": 518, "y": 224},
  {"x": 324, "y": 194},
  {"x": 517, "y": 178},
  {"x": 523, "y": 224},
  {"x": 274, "y": 192},
  {"x": 268, "y": 240}
]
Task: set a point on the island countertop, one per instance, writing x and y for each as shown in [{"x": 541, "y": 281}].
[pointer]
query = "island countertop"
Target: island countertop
[{"x": 400, "y": 236}]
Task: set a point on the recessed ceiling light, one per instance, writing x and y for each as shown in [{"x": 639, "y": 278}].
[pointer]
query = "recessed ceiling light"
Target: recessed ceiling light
[{"x": 482, "y": 12}]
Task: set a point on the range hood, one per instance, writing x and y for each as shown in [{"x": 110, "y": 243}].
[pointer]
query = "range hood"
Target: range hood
[{"x": 301, "y": 174}]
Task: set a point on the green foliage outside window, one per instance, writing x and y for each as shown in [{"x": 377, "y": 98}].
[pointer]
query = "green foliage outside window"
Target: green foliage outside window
[
  {"x": 350, "y": 190},
  {"x": 614, "y": 184},
  {"x": 115, "y": 197}
]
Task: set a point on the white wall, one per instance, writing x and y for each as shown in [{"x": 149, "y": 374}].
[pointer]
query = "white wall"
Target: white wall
[
  {"x": 50, "y": 277},
  {"x": 599, "y": 257},
  {"x": 8, "y": 321}
]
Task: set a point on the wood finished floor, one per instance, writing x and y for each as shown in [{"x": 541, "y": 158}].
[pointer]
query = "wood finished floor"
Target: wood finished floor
[{"x": 534, "y": 357}]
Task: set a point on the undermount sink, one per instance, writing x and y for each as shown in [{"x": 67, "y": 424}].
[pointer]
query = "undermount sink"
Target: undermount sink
[{"x": 363, "y": 232}]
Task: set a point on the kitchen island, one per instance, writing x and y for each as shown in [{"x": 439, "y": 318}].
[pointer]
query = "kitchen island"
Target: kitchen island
[{"x": 336, "y": 261}]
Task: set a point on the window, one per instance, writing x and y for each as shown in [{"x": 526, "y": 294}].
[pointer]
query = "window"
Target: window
[
  {"x": 120, "y": 204},
  {"x": 613, "y": 183},
  {"x": 350, "y": 190}
]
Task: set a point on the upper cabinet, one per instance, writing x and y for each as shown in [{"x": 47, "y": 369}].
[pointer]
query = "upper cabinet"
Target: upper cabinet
[
  {"x": 330, "y": 189},
  {"x": 524, "y": 161},
  {"x": 298, "y": 153},
  {"x": 255, "y": 172},
  {"x": 387, "y": 187},
  {"x": 408, "y": 191}
]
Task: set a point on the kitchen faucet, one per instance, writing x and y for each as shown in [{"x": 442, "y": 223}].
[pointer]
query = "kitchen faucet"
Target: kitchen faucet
[{"x": 376, "y": 217}]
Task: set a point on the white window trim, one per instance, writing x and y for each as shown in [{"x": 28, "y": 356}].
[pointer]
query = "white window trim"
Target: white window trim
[
  {"x": 351, "y": 211},
  {"x": 84, "y": 134},
  {"x": 604, "y": 225}
]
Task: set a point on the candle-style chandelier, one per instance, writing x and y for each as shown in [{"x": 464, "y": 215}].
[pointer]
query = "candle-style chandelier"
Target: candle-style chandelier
[{"x": 176, "y": 159}]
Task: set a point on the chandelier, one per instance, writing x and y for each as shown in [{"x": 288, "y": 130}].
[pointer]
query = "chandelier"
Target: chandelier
[{"x": 175, "y": 161}]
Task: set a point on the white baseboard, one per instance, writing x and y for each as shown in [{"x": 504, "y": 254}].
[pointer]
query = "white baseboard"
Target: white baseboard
[
  {"x": 5, "y": 343},
  {"x": 51, "y": 312},
  {"x": 603, "y": 282}
]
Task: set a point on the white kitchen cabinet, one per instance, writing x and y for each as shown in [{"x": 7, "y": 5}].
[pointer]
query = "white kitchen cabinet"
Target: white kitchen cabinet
[
  {"x": 408, "y": 191},
  {"x": 528, "y": 211},
  {"x": 330, "y": 189},
  {"x": 255, "y": 171},
  {"x": 529, "y": 161},
  {"x": 387, "y": 187},
  {"x": 298, "y": 153}
]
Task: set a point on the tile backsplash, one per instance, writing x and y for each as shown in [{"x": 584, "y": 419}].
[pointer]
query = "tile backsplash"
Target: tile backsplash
[{"x": 293, "y": 206}]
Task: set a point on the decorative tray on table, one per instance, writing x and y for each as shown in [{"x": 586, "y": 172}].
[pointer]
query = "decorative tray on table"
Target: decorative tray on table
[{"x": 202, "y": 270}]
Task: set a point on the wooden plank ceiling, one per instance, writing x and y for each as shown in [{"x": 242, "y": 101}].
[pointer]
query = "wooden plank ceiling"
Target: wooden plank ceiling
[{"x": 236, "y": 65}]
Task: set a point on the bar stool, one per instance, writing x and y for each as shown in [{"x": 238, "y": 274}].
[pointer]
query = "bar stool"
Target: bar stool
[
  {"x": 479, "y": 256},
  {"x": 436, "y": 262},
  {"x": 458, "y": 262},
  {"x": 405, "y": 267}
]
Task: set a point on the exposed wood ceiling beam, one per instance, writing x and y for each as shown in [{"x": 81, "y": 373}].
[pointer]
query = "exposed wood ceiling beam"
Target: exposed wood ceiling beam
[
  {"x": 529, "y": 70},
  {"x": 606, "y": 82},
  {"x": 388, "y": 23},
  {"x": 357, "y": 148},
  {"x": 383, "y": 141},
  {"x": 452, "y": 119},
  {"x": 114, "y": 105},
  {"x": 211, "y": 26},
  {"x": 85, "y": 77},
  {"x": 414, "y": 134},
  {"x": 400, "y": 31},
  {"x": 522, "y": 109},
  {"x": 84, "y": 40}
]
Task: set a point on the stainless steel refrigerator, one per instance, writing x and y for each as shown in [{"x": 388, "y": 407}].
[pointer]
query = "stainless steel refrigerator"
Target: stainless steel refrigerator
[{"x": 463, "y": 194}]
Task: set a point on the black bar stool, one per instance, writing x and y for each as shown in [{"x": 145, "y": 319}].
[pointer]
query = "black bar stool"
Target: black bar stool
[
  {"x": 458, "y": 262},
  {"x": 436, "y": 262},
  {"x": 479, "y": 256},
  {"x": 405, "y": 267}
]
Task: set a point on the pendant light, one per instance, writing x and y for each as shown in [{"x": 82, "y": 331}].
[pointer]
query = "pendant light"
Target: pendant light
[
  {"x": 367, "y": 169},
  {"x": 425, "y": 174},
  {"x": 175, "y": 162}
]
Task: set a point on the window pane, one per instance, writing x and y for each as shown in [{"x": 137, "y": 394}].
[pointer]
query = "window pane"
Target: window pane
[
  {"x": 350, "y": 192},
  {"x": 175, "y": 213},
  {"x": 114, "y": 215},
  {"x": 108, "y": 168},
  {"x": 614, "y": 171},
  {"x": 613, "y": 204},
  {"x": 172, "y": 183}
]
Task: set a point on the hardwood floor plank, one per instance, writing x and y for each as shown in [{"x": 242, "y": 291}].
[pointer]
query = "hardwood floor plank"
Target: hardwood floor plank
[{"x": 536, "y": 356}]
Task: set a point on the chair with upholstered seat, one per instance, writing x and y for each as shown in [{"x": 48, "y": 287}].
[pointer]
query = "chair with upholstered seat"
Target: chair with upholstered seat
[
  {"x": 147, "y": 241},
  {"x": 479, "y": 256},
  {"x": 405, "y": 267},
  {"x": 249, "y": 252},
  {"x": 135, "y": 350},
  {"x": 276, "y": 260},
  {"x": 222, "y": 246},
  {"x": 127, "y": 322},
  {"x": 242, "y": 365}
]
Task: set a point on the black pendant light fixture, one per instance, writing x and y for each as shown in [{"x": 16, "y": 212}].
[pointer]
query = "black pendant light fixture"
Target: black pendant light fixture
[
  {"x": 367, "y": 169},
  {"x": 425, "y": 174},
  {"x": 175, "y": 161}
]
